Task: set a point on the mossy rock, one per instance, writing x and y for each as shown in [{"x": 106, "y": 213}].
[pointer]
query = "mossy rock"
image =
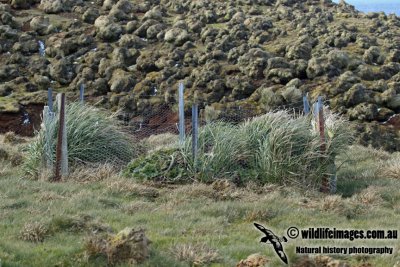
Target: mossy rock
[{"x": 166, "y": 165}]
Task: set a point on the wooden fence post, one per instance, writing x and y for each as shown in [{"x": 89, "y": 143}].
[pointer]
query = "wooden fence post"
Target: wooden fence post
[
  {"x": 181, "y": 114},
  {"x": 321, "y": 128},
  {"x": 61, "y": 150},
  {"x": 195, "y": 132}
]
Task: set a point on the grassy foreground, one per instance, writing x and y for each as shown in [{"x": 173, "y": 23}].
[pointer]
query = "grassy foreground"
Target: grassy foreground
[{"x": 191, "y": 224}]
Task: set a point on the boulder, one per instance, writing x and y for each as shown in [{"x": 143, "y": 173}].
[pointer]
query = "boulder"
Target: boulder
[
  {"x": 394, "y": 103},
  {"x": 131, "y": 41},
  {"x": 42, "y": 82},
  {"x": 280, "y": 75},
  {"x": 122, "y": 10},
  {"x": 40, "y": 24},
  {"x": 8, "y": 19},
  {"x": 62, "y": 71},
  {"x": 56, "y": 6},
  {"x": 387, "y": 71},
  {"x": 154, "y": 13},
  {"x": 394, "y": 56},
  {"x": 154, "y": 30},
  {"x": 121, "y": 81},
  {"x": 258, "y": 23},
  {"x": 317, "y": 66},
  {"x": 107, "y": 29},
  {"x": 253, "y": 62},
  {"x": 277, "y": 63},
  {"x": 344, "y": 83},
  {"x": 299, "y": 67},
  {"x": 384, "y": 114},
  {"x": 363, "y": 112},
  {"x": 141, "y": 31},
  {"x": 111, "y": 32},
  {"x": 339, "y": 59},
  {"x": 90, "y": 15},
  {"x": 108, "y": 4},
  {"x": 373, "y": 56},
  {"x": 299, "y": 51},
  {"x": 355, "y": 95},
  {"x": 176, "y": 36},
  {"x": 21, "y": 4},
  {"x": 366, "y": 73}
]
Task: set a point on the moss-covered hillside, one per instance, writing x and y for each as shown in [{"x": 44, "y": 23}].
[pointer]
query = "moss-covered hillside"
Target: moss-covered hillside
[{"x": 264, "y": 53}]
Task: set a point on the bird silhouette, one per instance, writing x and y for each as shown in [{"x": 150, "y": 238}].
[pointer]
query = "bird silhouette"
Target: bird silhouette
[{"x": 275, "y": 241}]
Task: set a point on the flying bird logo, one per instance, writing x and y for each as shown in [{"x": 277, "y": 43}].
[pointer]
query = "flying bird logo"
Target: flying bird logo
[{"x": 274, "y": 240}]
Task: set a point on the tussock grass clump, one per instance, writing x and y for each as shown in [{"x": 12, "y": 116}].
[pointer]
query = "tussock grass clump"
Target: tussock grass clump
[
  {"x": 195, "y": 255},
  {"x": 274, "y": 148},
  {"x": 34, "y": 232},
  {"x": 392, "y": 167},
  {"x": 93, "y": 137},
  {"x": 128, "y": 246},
  {"x": 221, "y": 148}
]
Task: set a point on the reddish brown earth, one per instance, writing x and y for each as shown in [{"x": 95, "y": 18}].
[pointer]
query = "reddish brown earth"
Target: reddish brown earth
[{"x": 13, "y": 122}]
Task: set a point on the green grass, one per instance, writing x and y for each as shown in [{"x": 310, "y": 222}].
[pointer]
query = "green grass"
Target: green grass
[
  {"x": 93, "y": 137},
  {"x": 197, "y": 217},
  {"x": 276, "y": 147}
]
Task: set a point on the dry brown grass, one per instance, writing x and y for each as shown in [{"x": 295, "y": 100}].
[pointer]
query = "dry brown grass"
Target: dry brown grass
[
  {"x": 195, "y": 255},
  {"x": 34, "y": 232},
  {"x": 161, "y": 141},
  {"x": 332, "y": 203},
  {"x": 50, "y": 196},
  {"x": 93, "y": 173},
  {"x": 218, "y": 191},
  {"x": 319, "y": 261},
  {"x": 254, "y": 260},
  {"x": 137, "y": 206},
  {"x": 10, "y": 151},
  {"x": 392, "y": 167},
  {"x": 369, "y": 196},
  {"x": 12, "y": 138},
  {"x": 127, "y": 187}
]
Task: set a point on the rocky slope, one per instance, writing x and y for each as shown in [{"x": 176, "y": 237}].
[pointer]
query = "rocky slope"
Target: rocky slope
[{"x": 260, "y": 53}]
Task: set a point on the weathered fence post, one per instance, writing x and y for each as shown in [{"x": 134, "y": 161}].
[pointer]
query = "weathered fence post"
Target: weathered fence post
[
  {"x": 321, "y": 128},
  {"x": 195, "y": 132},
  {"x": 61, "y": 150},
  {"x": 306, "y": 105},
  {"x": 81, "y": 92},
  {"x": 50, "y": 99},
  {"x": 42, "y": 49},
  {"x": 48, "y": 130},
  {"x": 181, "y": 114}
]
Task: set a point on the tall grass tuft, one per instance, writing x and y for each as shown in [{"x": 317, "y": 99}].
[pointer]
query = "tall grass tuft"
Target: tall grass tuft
[
  {"x": 220, "y": 150},
  {"x": 274, "y": 148},
  {"x": 93, "y": 137}
]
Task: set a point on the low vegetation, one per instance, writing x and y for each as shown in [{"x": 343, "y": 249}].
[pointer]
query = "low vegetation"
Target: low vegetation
[
  {"x": 168, "y": 209},
  {"x": 274, "y": 148},
  {"x": 66, "y": 223}
]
